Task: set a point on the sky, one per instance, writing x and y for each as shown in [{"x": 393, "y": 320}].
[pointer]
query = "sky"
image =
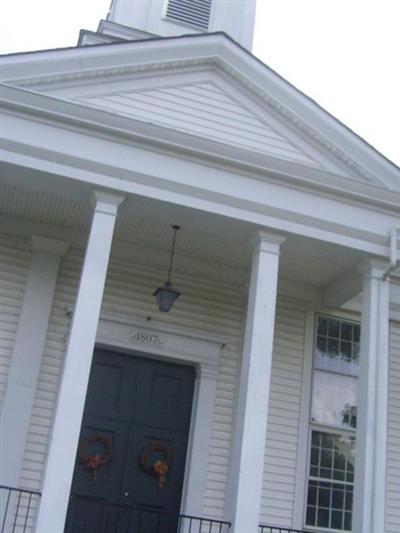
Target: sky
[{"x": 344, "y": 54}]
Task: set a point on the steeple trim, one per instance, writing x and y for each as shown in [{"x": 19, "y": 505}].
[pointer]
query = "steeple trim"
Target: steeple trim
[{"x": 167, "y": 18}]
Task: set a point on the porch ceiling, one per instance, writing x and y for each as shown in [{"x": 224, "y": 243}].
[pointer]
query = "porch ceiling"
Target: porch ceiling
[{"x": 210, "y": 238}]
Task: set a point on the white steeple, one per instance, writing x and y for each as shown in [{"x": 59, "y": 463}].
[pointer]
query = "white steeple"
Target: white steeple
[{"x": 177, "y": 17}]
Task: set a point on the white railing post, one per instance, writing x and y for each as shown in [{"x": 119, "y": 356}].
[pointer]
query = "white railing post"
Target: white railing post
[
  {"x": 247, "y": 461},
  {"x": 78, "y": 359}
]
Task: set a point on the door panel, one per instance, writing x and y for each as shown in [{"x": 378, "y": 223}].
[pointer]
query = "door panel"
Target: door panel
[
  {"x": 112, "y": 386},
  {"x": 131, "y": 403},
  {"x": 164, "y": 393}
]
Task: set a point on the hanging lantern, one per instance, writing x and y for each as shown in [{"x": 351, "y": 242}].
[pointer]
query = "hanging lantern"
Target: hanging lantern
[{"x": 166, "y": 295}]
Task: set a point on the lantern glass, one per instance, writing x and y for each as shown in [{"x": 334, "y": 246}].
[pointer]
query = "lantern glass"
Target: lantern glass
[{"x": 166, "y": 296}]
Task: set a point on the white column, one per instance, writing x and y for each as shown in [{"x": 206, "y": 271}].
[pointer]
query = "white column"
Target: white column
[
  {"x": 247, "y": 463},
  {"x": 78, "y": 358},
  {"x": 370, "y": 475},
  {"x": 27, "y": 357},
  {"x": 200, "y": 436}
]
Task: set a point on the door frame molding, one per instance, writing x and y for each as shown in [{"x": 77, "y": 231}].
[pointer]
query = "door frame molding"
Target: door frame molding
[{"x": 158, "y": 340}]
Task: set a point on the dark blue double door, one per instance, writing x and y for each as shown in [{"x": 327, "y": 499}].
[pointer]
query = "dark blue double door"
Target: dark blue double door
[{"x": 136, "y": 418}]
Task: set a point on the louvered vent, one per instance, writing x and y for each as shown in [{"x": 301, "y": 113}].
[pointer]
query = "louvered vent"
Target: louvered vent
[{"x": 193, "y": 12}]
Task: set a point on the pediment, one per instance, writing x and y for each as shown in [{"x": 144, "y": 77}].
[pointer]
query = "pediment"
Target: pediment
[
  {"x": 204, "y": 109},
  {"x": 205, "y": 87}
]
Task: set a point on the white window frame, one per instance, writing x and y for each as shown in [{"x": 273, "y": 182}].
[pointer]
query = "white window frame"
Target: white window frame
[
  {"x": 330, "y": 431},
  {"x": 305, "y": 424}
]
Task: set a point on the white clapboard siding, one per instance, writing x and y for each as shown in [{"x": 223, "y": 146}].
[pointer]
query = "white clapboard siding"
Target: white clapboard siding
[
  {"x": 393, "y": 457},
  {"x": 284, "y": 415},
  {"x": 15, "y": 257},
  {"x": 201, "y": 109}
]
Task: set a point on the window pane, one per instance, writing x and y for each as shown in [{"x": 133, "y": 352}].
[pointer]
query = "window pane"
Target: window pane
[
  {"x": 337, "y": 498},
  {"x": 347, "y": 331},
  {"x": 337, "y": 520},
  {"x": 346, "y": 351},
  {"x": 355, "y": 352},
  {"x": 322, "y": 347},
  {"x": 334, "y": 399},
  {"x": 347, "y": 521},
  {"x": 312, "y": 494},
  {"x": 334, "y": 328},
  {"x": 333, "y": 457},
  {"x": 337, "y": 346},
  {"x": 314, "y": 456},
  {"x": 349, "y": 499},
  {"x": 311, "y": 515},
  {"x": 323, "y": 517},
  {"x": 324, "y": 499},
  {"x": 333, "y": 350},
  {"x": 323, "y": 326},
  {"x": 325, "y": 508}
]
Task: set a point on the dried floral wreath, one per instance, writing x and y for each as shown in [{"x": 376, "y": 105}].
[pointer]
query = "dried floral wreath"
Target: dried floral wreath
[
  {"x": 160, "y": 467},
  {"x": 94, "y": 461}
]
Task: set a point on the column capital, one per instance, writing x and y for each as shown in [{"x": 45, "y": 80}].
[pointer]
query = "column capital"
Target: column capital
[
  {"x": 265, "y": 241},
  {"x": 372, "y": 268},
  {"x": 45, "y": 244},
  {"x": 106, "y": 202}
]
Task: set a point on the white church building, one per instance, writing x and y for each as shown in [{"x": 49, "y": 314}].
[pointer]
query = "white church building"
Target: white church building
[{"x": 200, "y": 293}]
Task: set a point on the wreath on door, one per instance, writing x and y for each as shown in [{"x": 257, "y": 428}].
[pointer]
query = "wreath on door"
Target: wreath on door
[
  {"x": 160, "y": 467},
  {"x": 94, "y": 461}
]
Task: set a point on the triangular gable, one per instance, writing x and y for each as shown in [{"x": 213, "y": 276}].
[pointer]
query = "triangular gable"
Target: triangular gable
[{"x": 205, "y": 110}]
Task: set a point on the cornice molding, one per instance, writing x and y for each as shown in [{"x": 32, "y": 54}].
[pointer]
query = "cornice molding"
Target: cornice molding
[
  {"x": 217, "y": 55},
  {"x": 293, "y": 120},
  {"x": 108, "y": 72}
]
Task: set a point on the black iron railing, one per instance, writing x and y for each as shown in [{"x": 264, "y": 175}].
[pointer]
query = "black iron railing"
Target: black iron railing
[
  {"x": 17, "y": 509},
  {"x": 277, "y": 529},
  {"x": 87, "y": 515}
]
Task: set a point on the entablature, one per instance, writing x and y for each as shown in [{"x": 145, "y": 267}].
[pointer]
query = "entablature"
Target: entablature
[{"x": 63, "y": 146}]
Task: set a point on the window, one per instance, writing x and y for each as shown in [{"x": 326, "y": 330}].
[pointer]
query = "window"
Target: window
[
  {"x": 333, "y": 424},
  {"x": 193, "y": 12}
]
